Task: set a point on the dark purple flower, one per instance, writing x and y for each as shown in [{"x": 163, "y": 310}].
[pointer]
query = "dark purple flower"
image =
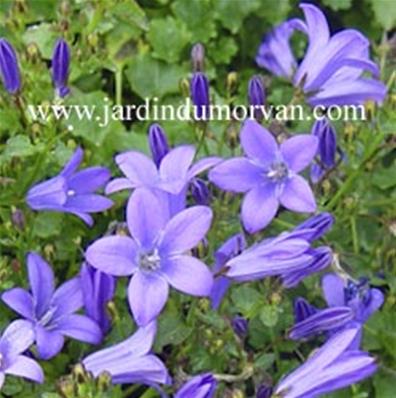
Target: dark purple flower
[
  {"x": 315, "y": 227},
  {"x": 256, "y": 95},
  {"x": 72, "y": 191},
  {"x": 199, "y": 88},
  {"x": 156, "y": 254},
  {"x": 50, "y": 312},
  {"x": 302, "y": 309},
  {"x": 201, "y": 386},
  {"x": 198, "y": 57},
  {"x": 268, "y": 174},
  {"x": 17, "y": 338},
  {"x": 229, "y": 249},
  {"x": 130, "y": 361},
  {"x": 158, "y": 143},
  {"x": 333, "y": 68},
  {"x": 327, "y": 137},
  {"x": 9, "y": 69},
  {"x": 264, "y": 391},
  {"x": 200, "y": 192},
  {"x": 240, "y": 326},
  {"x": 60, "y": 67},
  {"x": 98, "y": 289},
  {"x": 330, "y": 368}
]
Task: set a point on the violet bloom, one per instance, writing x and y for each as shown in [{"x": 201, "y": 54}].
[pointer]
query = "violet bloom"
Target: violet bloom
[
  {"x": 60, "y": 67},
  {"x": 170, "y": 179},
  {"x": 158, "y": 143},
  {"x": 98, "y": 289},
  {"x": 199, "y": 87},
  {"x": 16, "y": 339},
  {"x": 230, "y": 248},
  {"x": 256, "y": 96},
  {"x": 200, "y": 192},
  {"x": 130, "y": 361},
  {"x": 333, "y": 68},
  {"x": 50, "y": 312},
  {"x": 268, "y": 175},
  {"x": 201, "y": 386},
  {"x": 330, "y": 368},
  {"x": 156, "y": 254},
  {"x": 72, "y": 191},
  {"x": 264, "y": 391},
  {"x": 316, "y": 226},
  {"x": 240, "y": 325},
  {"x": 9, "y": 69}
]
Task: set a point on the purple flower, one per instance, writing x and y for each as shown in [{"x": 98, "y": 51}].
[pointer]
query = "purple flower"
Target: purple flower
[
  {"x": 332, "y": 70},
  {"x": 200, "y": 192},
  {"x": 9, "y": 69},
  {"x": 327, "y": 137},
  {"x": 240, "y": 325},
  {"x": 256, "y": 96},
  {"x": 199, "y": 87},
  {"x": 264, "y": 391},
  {"x": 130, "y": 361},
  {"x": 201, "y": 386},
  {"x": 289, "y": 256},
  {"x": 302, "y": 309},
  {"x": 72, "y": 191},
  {"x": 330, "y": 368},
  {"x": 268, "y": 175},
  {"x": 170, "y": 180},
  {"x": 60, "y": 67},
  {"x": 231, "y": 248},
  {"x": 49, "y": 312},
  {"x": 98, "y": 289},
  {"x": 158, "y": 143},
  {"x": 315, "y": 227},
  {"x": 16, "y": 339},
  {"x": 156, "y": 254}
]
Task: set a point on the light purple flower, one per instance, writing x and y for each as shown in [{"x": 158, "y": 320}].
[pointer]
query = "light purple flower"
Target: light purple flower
[
  {"x": 49, "y": 312},
  {"x": 201, "y": 386},
  {"x": 231, "y": 248},
  {"x": 98, "y": 289},
  {"x": 9, "y": 69},
  {"x": 170, "y": 179},
  {"x": 156, "y": 254},
  {"x": 330, "y": 368},
  {"x": 130, "y": 361},
  {"x": 332, "y": 70},
  {"x": 316, "y": 226},
  {"x": 72, "y": 191},
  {"x": 268, "y": 175},
  {"x": 17, "y": 338},
  {"x": 60, "y": 67}
]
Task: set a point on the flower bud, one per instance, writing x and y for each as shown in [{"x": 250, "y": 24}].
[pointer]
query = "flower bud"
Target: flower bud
[
  {"x": 200, "y": 192},
  {"x": 199, "y": 89},
  {"x": 240, "y": 326},
  {"x": 317, "y": 225},
  {"x": 9, "y": 69},
  {"x": 327, "y": 142},
  {"x": 198, "y": 57},
  {"x": 18, "y": 219},
  {"x": 158, "y": 143},
  {"x": 256, "y": 95},
  {"x": 66, "y": 388},
  {"x": 104, "y": 381},
  {"x": 60, "y": 67},
  {"x": 302, "y": 309},
  {"x": 264, "y": 391},
  {"x": 203, "y": 386}
]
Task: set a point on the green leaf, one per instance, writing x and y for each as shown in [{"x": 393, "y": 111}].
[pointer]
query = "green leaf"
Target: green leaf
[
  {"x": 151, "y": 78},
  {"x": 245, "y": 299},
  {"x": 168, "y": 38},
  {"x": 269, "y": 315},
  {"x": 222, "y": 51},
  {"x": 171, "y": 330},
  {"x": 47, "y": 224},
  {"x": 18, "y": 146},
  {"x": 44, "y": 36},
  {"x": 198, "y": 17},
  {"x": 385, "y": 13},
  {"x": 384, "y": 385},
  {"x": 337, "y": 5},
  {"x": 274, "y": 15}
]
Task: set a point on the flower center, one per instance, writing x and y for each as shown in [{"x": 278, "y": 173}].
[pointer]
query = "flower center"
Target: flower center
[
  {"x": 150, "y": 261},
  {"x": 71, "y": 192},
  {"x": 278, "y": 171}
]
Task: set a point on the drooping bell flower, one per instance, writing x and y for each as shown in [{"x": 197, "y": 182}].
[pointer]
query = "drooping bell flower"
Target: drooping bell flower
[
  {"x": 199, "y": 89},
  {"x": 201, "y": 386},
  {"x": 60, "y": 67},
  {"x": 158, "y": 143},
  {"x": 9, "y": 69}
]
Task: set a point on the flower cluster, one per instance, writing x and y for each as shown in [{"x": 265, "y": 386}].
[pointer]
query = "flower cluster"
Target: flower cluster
[{"x": 157, "y": 250}]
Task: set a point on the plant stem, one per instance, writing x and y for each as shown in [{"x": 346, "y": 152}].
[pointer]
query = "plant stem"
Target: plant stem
[{"x": 118, "y": 85}]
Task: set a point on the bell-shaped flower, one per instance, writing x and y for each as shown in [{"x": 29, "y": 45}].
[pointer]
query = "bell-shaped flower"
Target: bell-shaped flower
[{"x": 201, "y": 386}]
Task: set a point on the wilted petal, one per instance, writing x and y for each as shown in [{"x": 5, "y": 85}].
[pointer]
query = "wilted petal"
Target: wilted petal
[
  {"x": 189, "y": 275},
  {"x": 49, "y": 343},
  {"x": 297, "y": 195},
  {"x": 299, "y": 151},
  {"x": 115, "y": 255},
  {"x": 186, "y": 229},
  {"x": 236, "y": 175},
  {"x": 26, "y": 367},
  {"x": 147, "y": 295},
  {"x": 20, "y": 301},
  {"x": 79, "y": 327}
]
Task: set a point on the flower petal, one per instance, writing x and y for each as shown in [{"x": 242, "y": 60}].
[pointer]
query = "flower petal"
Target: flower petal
[
  {"x": 49, "y": 343},
  {"x": 68, "y": 297},
  {"x": 26, "y": 367},
  {"x": 20, "y": 301},
  {"x": 115, "y": 255},
  {"x": 79, "y": 327},
  {"x": 258, "y": 143},
  {"x": 19, "y": 336},
  {"x": 333, "y": 290},
  {"x": 118, "y": 184},
  {"x": 88, "y": 203},
  {"x": 236, "y": 175},
  {"x": 259, "y": 207},
  {"x": 189, "y": 275},
  {"x": 203, "y": 165},
  {"x": 297, "y": 195},
  {"x": 186, "y": 229},
  {"x": 299, "y": 151},
  {"x": 89, "y": 180},
  {"x": 147, "y": 295},
  {"x": 74, "y": 162}
]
